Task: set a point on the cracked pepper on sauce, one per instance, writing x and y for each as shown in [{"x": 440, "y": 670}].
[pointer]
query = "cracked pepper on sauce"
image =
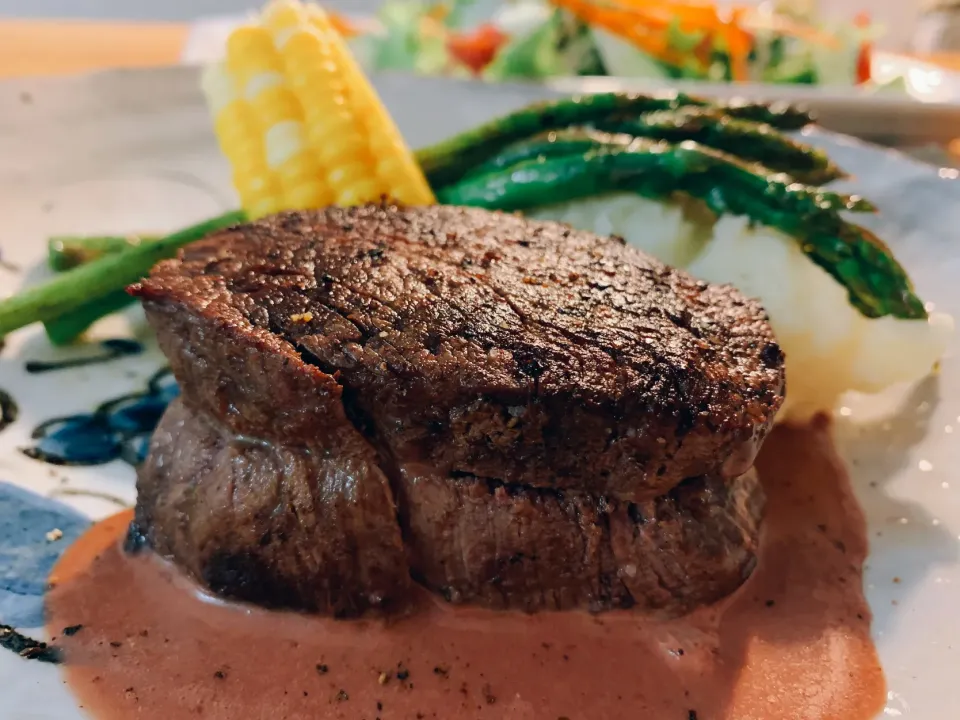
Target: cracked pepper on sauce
[{"x": 793, "y": 642}]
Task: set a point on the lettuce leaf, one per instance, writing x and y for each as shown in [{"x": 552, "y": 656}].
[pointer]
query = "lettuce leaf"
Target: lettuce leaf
[
  {"x": 561, "y": 45},
  {"x": 399, "y": 45}
]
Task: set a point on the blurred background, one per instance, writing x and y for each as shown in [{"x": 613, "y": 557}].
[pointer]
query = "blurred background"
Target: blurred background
[
  {"x": 886, "y": 71},
  {"x": 847, "y": 57},
  {"x": 900, "y": 19},
  {"x": 899, "y": 16},
  {"x": 145, "y": 9}
]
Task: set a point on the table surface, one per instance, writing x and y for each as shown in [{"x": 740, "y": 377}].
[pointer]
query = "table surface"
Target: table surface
[{"x": 61, "y": 47}]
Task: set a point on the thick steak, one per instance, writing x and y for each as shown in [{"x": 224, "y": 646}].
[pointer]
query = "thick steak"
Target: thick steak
[
  {"x": 294, "y": 526},
  {"x": 300, "y": 527},
  {"x": 500, "y": 546},
  {"x": 509, "y": 412},
  {"x": 474, "y": 342}
]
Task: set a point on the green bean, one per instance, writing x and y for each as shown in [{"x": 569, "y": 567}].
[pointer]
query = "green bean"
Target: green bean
[
  {"x": 71, "y": 325},
  {"x": 746, "y": 139},
  {"x": 855, "y": 257},
  {"x": 781, "y": 115},
  {"x": 574, "y": 141},
  {"x": 876, "y": 284},
  {"x": 87, "y": 283},
  {"x": 450, "y": 159},
  {"x": 557, "y": 179},
  {"x": 802, "y": 200},
  {"x": 68, "y": 251}
]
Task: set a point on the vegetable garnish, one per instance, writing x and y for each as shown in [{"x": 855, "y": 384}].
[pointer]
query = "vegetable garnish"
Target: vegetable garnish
[
  {"x": 300, "y": 123},
  {"x": 72, "y": 324},
  {"x": 78, "y": 288},
  {"x": 745, "y": 138},
  {"x": 659, "y": 28},
  {"x": 659, "y": 39},
  {"x": 447, "y": 160},
  {"x": 303, "y": 128},
  {"x": 512, "y": 163},
  {"x": 562, "y": 45},
  {"x": 703, "y": 40},
  {"x": 565, "y": 166},
  {"x": 476, "y": 49},
  {"x": 66, "y": 252},
  {"x": 646, "y": 26},
  {"x": 581, "y": 141}
]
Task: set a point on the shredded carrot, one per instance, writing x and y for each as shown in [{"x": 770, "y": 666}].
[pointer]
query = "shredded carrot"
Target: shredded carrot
[
  {"x": 739, "y": 43},
  {"x": 698, "y": 16},
  {"x": 344, "y": 26},
  {"x": 638, "y": 21},
  {"x": 645, "y": 29},
  {"x": 660, "y": 14},
  {"x": 864, "y": 53}
]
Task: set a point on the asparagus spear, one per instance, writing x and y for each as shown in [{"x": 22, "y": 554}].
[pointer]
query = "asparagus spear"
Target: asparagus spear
[
  {"x": 75, "y": 322},
  {"x": 448, "y": 160},
  {"x": 65, "y": 252},
  {"x": 93, "y": 281},
  {"x": 746, "y": 139},
  {"x": 554, "y": 143},
  {"x": 579, "y": 141},
  {"x": 69, "y": 251},
  {"x": 781, "y": 115},
  {"x": 876, "y": 284}
]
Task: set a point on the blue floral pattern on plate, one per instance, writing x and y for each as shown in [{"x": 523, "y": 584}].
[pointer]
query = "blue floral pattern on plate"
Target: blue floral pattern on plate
[
  {"x": 27, "y": 554},
  {"x": 118, "y": 429}
]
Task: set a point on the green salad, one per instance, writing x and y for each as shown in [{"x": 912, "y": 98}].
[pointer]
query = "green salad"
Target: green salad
[{"x": 664, "y": 40}]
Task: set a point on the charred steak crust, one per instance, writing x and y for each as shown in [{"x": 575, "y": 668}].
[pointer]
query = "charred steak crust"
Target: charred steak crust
[{"x": 475, "y": 342}]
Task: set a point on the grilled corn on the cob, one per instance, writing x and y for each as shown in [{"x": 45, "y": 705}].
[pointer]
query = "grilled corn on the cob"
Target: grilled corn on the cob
[{"x": 298, "y": 121}]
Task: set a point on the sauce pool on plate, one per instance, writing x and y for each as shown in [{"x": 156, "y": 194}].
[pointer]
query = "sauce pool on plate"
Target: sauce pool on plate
[{"x": 794, "y": 641}]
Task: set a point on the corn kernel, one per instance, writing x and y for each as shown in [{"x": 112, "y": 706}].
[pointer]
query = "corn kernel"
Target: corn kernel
[{"x": 299, "y": 122}]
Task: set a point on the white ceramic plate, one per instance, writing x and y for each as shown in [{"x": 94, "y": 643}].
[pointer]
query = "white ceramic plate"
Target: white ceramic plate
[{"x": 133, "y": 151}]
